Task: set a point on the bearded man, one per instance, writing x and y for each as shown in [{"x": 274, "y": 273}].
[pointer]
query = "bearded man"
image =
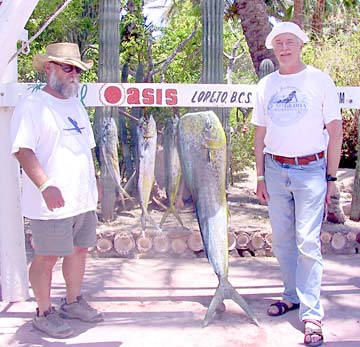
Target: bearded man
[{"x": 52, "y": 139}]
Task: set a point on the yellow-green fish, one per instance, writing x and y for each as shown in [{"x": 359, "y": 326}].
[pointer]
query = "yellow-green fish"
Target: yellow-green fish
[{"x": 202, "y": 150}]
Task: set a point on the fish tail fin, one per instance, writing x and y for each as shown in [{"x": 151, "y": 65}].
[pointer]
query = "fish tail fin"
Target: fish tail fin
[
  {"x": 150, "y": 219},
  {"x": 165, "y": 215},
  {"x": 232, "y": 294},
  {"x": 172, "y": 210},
  {"x": 130, "y": 181},
  {"x": 216, "y": 301},
  {"x": 177, "y": 216},
  {"x": 225, "y": 290},
  {"x": 123, "y": 193}
]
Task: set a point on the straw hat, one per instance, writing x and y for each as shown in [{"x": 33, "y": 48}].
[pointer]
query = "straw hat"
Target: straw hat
[
  {"x": 63, "y": 53},
  {"x": 282, "y": 28}
]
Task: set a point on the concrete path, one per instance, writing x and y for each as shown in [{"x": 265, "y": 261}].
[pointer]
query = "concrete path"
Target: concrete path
[{"x": 162, "y": 303}]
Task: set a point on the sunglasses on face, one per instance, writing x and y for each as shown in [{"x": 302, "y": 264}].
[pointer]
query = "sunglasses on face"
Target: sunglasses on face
[{"x": 69, "y": 68}]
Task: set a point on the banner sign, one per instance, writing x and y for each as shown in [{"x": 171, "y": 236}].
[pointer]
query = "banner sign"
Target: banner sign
[{"x": 162, "y": 95}]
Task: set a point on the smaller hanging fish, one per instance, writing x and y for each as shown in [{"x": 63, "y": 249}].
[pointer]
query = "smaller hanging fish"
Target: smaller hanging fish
[
  {"x": 109, "y": 142},
  {"x": 146, "y": 146},
  {"x": 172, "y": 167}
]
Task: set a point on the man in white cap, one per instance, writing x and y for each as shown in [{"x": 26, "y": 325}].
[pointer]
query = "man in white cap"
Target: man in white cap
[
  {"x": 52, "y": 139},
  {"x": 296, "y": 164}
]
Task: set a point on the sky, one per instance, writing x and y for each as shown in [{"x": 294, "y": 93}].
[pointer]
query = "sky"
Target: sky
[{"x": 154, "y": 10}]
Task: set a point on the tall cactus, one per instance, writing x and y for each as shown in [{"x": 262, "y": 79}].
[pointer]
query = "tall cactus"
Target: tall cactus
[
  {"x": 109, "y": 41},
  {"x": 212, "y": 56},
  {"x": 212, "y": 41}
]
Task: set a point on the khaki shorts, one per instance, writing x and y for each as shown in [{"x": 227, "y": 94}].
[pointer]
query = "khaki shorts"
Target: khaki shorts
[{"x": 57, "y": 237}]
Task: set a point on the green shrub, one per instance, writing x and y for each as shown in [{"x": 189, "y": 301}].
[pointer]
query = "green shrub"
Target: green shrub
[
  {"x": 242, "y": 144},
  {"x": 339, "y": 56}
]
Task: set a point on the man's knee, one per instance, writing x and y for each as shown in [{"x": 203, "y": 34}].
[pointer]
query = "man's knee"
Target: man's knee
[
  {"x": 46, "y": 261},
  {"x": 80, "y": 250}
]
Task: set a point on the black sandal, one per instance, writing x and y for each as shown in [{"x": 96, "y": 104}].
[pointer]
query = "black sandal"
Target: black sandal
[
  {"x": 309, "y": 332},
  {"x": 282, "y": 308}
]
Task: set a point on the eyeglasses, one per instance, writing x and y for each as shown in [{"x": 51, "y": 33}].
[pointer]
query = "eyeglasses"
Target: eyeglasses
[{"x": 69, "y": 68}]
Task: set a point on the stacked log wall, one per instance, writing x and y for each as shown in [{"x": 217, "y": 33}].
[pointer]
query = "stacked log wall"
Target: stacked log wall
[{"x": 250, "y": 242}]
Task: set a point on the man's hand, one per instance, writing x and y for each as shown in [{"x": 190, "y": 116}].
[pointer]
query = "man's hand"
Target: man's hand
[
  {"x": 261, "y": 192},
  {"x": 331, "y": 191},
  {"x": 53, "y": 198}
]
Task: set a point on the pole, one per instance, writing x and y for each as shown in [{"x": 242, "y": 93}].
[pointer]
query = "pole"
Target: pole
[{"x": 13, "y": 269}]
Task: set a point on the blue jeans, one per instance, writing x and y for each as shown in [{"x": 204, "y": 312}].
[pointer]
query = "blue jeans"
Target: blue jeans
[{"x": 296, "y": 209}]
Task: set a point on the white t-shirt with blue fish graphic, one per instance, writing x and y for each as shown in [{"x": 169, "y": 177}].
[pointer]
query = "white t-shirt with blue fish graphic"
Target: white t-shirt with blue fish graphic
[{"x": 294, "y": 109}]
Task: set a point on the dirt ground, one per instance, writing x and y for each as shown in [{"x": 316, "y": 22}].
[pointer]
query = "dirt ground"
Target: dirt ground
[{"x": 162, "y": 302}]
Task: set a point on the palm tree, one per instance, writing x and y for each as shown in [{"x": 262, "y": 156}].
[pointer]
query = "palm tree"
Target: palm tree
[
  {"x": 256, "y": 26},
  {"x": 298, "y": 16},
  {"x": 310, "y": 14},
  {"x": 318, "y": 18}
]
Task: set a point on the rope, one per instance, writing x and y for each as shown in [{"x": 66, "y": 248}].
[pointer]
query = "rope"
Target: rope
[{"x": 25, "y": 44}]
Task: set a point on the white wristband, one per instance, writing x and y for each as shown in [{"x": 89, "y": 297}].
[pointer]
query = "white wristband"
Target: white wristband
[{"x": 45, "y": 185}]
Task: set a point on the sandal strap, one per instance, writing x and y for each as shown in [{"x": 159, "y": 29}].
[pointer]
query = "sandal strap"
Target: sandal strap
[
  {"x": 311, "y": 332},
  {"x": 313, "y": 321},
  {"x": 281, "y": 306}
]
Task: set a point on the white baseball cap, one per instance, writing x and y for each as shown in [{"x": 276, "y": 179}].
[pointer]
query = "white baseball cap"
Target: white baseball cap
[{"x": 282, "y": 28}]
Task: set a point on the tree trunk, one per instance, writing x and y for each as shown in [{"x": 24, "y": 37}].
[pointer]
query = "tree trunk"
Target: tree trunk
[
  {"x": 178, "y": 246},
  {"x": 242, "y": 240},
  {"x": 104, "y": 245},
  {"x": 195, "y": 242},
  {"x": 318, "y": 18},
  {"x": 355, "y": 203},
  {"x": 257, "y": 241},
  {"x": 338, "y": 241},
  {"x": 144, "y": 244},
  {"x": 256, "y": 26},
  {"x": 109, "y": 41},
  {"x": 161, "y": 243},
  {"x": 124, "y": 243},
  {"x": 298, "y": 16}
]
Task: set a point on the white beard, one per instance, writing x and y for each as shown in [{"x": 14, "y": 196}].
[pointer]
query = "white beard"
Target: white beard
[{"x": 66, "y": 89}]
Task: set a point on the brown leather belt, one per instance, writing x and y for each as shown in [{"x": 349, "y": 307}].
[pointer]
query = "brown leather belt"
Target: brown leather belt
[{"x": 298, "y": 160}]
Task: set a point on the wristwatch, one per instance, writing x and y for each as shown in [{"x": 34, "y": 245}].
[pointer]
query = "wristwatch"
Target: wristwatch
[{"x": 330, "y": 178}]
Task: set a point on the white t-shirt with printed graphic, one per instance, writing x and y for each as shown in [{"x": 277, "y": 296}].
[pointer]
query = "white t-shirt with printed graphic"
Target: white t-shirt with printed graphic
[
  {"x": 294, "y": 109},
  {"x": 58, "y": 131}
]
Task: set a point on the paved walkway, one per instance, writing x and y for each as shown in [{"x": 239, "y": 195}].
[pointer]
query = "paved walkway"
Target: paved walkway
[{"x": 162, "y": 302}]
